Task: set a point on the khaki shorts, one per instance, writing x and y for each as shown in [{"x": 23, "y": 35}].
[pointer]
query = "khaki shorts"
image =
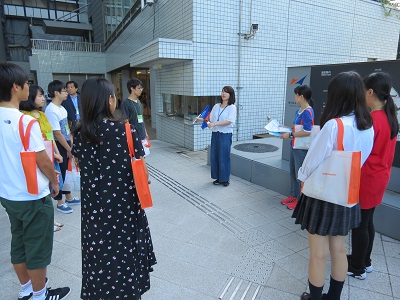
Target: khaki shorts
[{"x": 31, "y": 231}]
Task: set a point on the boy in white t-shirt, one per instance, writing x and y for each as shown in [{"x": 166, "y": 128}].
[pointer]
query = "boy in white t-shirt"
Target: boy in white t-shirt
[
  {"x": 31, "y": 215},
  {"x": 57, "y": 116}
]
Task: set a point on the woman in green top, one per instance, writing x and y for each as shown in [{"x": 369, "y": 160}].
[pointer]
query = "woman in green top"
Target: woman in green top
[{"x": 33, "y": 108}]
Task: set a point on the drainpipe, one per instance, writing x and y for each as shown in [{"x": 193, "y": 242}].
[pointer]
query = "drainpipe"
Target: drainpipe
[{"x": 238, "y": 88}]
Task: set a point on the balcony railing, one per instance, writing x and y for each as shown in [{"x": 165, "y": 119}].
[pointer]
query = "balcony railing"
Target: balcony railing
[{"x": 65, "y": 45}]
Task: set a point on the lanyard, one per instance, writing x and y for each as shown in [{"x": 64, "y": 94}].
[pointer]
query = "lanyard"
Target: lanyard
[
  {"x": 134, "y": 107},
  {"x": 220, "y": 113}
]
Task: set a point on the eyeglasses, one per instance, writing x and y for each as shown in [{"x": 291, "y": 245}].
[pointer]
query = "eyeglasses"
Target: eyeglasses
[
  {"x": 140, "y": 88},
  {"x": 64, "y": 91}
]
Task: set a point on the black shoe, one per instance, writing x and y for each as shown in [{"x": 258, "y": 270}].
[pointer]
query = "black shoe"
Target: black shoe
[
  {"x": 216, "y": 182},
  {"x": 57, "y": 294},
  {"x": 305, "y": 296},
  {"x": 226, "y": 183},
  {"x": 27, "y": 297}
]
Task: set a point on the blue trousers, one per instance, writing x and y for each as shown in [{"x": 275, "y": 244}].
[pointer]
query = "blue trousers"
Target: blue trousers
[
  {"x": 296, "y": 159},
  {"x": 220, "y": 156}
]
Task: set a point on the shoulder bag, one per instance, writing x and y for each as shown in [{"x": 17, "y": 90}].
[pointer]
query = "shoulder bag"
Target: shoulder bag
[
  {"x": 28, "y": 158},
  {"x": 337, "y": 178},
  {"x": 304, "y": 142},
  {"x": 139, "y": 172}
]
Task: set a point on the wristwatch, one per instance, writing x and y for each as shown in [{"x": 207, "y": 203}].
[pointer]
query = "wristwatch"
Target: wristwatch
[{"x": 291, "y": 134}]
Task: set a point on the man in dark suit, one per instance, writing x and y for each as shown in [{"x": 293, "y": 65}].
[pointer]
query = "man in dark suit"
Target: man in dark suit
[{"x": 71, "y": 104}]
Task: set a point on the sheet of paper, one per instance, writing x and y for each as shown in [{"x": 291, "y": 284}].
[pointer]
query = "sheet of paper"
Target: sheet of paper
[{"x": 274, "y": 126}]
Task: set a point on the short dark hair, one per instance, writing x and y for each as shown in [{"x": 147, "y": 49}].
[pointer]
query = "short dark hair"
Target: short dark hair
[
  {"x": 95, "y": 106},
  {"x": 29, "y": 104},
  {"x": 55, "y": 86},
  {"x": 306, "y": 92},
  {"x": 74, "y": 82},
  {"x": 9, "y": 74},
  {"x": 346, "y": 95},
  {"x": 231, "y": 93},
  {"x": 133, "y": 83}
]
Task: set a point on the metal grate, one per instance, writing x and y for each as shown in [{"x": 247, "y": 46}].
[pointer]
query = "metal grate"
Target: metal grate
[
  {"x": 256, "y": 147},
  {"x": 237, "y": 288}
]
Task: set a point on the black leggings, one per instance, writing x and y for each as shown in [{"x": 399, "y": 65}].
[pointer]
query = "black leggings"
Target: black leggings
[
  {"x": 63, "y": 167},
  {"x": 362, "y": 240}
]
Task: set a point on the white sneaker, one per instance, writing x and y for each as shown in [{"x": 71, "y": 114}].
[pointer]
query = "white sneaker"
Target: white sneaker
[{"x": 369, "y": 269}]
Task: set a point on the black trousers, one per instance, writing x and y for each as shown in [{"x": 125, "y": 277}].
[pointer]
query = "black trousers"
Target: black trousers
[
  {"x": 63, "y": 167},
  {"x": 362, "y": 240}
]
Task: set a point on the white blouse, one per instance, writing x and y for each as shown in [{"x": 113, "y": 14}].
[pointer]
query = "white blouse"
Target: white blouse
[
  {"x": 219, "y": 114},
  {"x": 326, "y": 141}
]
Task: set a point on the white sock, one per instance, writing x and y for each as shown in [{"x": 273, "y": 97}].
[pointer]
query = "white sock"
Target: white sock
[
  {"x": 40, "y": 295},
  {"x": 26, "y": 289}
]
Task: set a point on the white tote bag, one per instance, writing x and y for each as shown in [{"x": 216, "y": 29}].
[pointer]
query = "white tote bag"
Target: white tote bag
[
  {"x": 72, "y": 180},
  {"x": 337, "y": 178},
  {"x": 304, "y": 142}
]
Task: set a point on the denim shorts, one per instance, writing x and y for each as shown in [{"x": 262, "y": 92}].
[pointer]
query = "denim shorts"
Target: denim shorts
[{"x": 31, "y": 231}]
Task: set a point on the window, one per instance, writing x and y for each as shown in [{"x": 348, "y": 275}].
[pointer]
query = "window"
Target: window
[{"x": 187, "y": 107}]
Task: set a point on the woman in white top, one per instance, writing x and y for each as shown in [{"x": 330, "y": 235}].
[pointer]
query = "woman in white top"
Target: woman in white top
[
  {"x": 327, "y": 223},
  {"x": 222, "y": 118}
]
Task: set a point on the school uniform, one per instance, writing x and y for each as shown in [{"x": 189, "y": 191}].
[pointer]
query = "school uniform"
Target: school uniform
[{"x": 318, "y": 216}]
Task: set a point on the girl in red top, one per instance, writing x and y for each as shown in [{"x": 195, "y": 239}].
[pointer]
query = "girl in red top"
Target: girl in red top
[{"x": 375, "y": 173}]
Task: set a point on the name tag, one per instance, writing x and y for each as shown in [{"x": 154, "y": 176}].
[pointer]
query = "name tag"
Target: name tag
[
  {"x": 49, "y": 136},
  {"x": 140, "y": 118},
  {"x": 67, "y": 129}
]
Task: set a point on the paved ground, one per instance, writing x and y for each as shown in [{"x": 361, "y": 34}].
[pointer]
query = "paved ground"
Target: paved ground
[{"x": 212, "y": 242}]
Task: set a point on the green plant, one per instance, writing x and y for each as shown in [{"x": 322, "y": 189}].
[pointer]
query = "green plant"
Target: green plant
[{"x": 391, "y": 8}]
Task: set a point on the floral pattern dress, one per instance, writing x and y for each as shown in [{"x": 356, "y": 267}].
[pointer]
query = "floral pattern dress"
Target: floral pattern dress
[{"x": 117, "y": 250}]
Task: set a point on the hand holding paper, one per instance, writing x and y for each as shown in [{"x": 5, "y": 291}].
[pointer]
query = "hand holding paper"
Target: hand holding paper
[{"x": 274, "y": 128}]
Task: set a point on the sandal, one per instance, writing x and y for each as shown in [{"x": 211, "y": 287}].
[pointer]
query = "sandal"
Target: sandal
[
  {"x": 56, "y": 228},
  {"x": 58, "y": 224}
]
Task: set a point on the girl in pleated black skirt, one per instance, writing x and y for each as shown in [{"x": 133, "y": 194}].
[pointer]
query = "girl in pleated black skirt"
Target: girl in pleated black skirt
[{"x": 327, "y": 223}]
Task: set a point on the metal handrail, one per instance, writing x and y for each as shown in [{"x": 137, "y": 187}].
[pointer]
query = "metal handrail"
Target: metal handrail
[
  {"x": 81, "y": 10},
  {"x": 57, "y": 45}
]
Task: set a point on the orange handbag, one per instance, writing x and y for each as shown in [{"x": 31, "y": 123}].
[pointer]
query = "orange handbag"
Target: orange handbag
[
  {"x": 139, "y": 172},
  {"x": 28, "y": 158}
]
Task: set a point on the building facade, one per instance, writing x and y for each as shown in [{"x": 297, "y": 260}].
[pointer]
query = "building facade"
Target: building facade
[{"x": 186, "y": 51}]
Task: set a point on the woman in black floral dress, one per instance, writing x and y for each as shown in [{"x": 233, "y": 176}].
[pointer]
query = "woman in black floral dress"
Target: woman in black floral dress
[{"x": 117, "y": 251}]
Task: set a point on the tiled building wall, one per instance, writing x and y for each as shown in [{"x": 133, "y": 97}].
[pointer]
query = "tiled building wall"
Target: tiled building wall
[
  {"x": 291, "y": 33},
  {"x": 166, "y": 19}
]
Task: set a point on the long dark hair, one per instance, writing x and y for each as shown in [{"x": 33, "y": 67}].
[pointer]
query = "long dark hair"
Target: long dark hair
[
  {"x": 94, "y": 107},
  {"x": 306, "y": 92},
  {"x": 29, "y": 104},
  {"x": 346, "y": 95},
  {"x": 231, "y": 93},
  {"x": 381, "y": 84}
]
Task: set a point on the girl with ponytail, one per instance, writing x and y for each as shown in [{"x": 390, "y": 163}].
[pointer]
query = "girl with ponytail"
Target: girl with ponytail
[{"x": 375, "y": 173}]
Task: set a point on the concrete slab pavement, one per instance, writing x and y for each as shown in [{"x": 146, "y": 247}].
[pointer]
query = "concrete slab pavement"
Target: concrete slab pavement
[{"x": 212, "y": 242}]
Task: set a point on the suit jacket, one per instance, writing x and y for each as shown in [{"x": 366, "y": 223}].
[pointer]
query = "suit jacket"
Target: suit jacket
[{"x": 70, "y": 108}]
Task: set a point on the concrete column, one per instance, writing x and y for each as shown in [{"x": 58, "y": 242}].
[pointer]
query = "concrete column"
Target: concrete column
[
  {"x": 3, "y": 56},
  {"x": 124, "y": 79},
  {"x": 154, "y": 106}
]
